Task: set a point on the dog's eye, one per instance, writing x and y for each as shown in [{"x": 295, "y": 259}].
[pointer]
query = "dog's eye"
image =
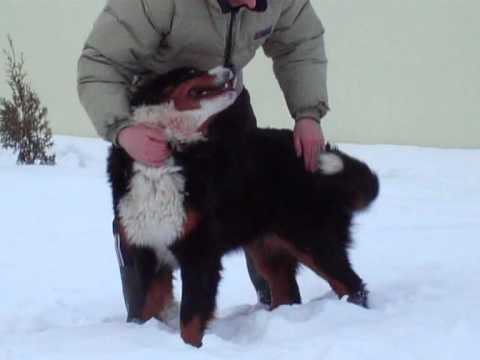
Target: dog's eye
[{"x": 194, "y": 93}]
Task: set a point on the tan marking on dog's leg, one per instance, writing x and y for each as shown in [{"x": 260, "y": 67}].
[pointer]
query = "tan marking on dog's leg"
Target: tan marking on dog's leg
[
  {"x": 338, "y": 287},
  {"x": 280, "y": 287},
  {"x": 159, "y": 295},
  {"x": 192, "y": 331},
  {"x": 279, "y": 280},
  {"x": 191, "y": 222}
]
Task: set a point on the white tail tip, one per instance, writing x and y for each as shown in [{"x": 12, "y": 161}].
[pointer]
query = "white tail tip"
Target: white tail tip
[{"x": 330, "y": 164}]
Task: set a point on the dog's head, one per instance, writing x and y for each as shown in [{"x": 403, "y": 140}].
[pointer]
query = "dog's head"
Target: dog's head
[{"x": 183, "y": 100}]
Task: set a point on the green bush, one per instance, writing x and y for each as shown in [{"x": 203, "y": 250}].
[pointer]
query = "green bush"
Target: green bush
[{"x": 23, "y": 120}]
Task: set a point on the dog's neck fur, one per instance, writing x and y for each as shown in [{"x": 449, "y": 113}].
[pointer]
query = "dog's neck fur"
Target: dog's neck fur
[
  {"x": 182, "y": 126},
  {"x": 179, "y": 126}
]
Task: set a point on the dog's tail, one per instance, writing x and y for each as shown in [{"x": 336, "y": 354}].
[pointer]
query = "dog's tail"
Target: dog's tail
[{"x": 349, "y": 180}]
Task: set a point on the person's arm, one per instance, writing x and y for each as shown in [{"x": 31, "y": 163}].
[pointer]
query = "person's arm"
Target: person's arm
[
  {"x": 300, "y": 65},
  {"x": 126, "y": 33},
  {"x": 299, "y": 61}
]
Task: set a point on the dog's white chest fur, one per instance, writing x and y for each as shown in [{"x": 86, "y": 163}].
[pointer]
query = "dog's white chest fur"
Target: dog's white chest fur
[{"x": 153, "y": 211}]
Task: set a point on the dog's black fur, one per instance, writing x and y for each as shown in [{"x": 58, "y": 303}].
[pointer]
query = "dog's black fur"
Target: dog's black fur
[{"x": 245, "y": 188}]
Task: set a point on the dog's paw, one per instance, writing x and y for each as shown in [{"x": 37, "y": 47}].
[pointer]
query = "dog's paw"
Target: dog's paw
[
  {"x": 359, "y": 298},
  {"x": 170, "y": 314},
  {"x": 192, "y": 332}
]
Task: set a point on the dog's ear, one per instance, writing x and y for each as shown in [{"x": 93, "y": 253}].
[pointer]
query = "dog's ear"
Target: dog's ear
[
  {"x": 157, "y": 88},
  {"x": 151, "y": 94},
  {"x": 331, "y": 147}
]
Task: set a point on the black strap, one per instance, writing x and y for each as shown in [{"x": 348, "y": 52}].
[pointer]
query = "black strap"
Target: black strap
[
  {"x": 229, "y": 45},
  {"x": 260, "y": 7}
]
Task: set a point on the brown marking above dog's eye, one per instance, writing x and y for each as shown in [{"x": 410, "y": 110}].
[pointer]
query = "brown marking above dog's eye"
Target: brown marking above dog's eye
[
  {"x": 182, "y": 98},
  {"x": 186, "y": 103},
  {"x": 187, "y": 96}
]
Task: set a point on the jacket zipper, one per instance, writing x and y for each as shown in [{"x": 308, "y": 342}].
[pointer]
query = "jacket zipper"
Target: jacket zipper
[{"x": 229, "y": 45}]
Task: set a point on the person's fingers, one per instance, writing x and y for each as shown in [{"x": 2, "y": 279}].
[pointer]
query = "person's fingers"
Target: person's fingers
[
  {"x": 322, "y": 144},
  {"x": 307, "y": 148},
  {"x": 159, "y": 150},
  {"x": 313, "y": 156},
  {"x": 155, "y": 153},
  {"x": 156, "y": 134},
  {"x": 298, "y": 144},
  {"x": 155, "y": 144},
  {"x": 307, "y": 154}
]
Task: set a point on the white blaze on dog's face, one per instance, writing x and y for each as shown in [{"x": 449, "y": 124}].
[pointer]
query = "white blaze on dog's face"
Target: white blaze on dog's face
[{"x": 190, "y": 105}]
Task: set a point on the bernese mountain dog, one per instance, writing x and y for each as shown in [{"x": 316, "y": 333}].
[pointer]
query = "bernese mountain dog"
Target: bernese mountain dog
[{"x": 221, "y": 191}]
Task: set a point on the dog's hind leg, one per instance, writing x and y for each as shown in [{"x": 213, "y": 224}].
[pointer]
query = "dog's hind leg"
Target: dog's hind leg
[
  {"x": 259, "y": 283},
  {"x": 279, "y": 269},
  {"x": 330, "y": 261},
  {"x": 336, "y": 269}
]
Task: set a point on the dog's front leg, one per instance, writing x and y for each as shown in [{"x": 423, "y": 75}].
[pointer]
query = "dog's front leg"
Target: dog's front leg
[{"x": 199, "y": 290}]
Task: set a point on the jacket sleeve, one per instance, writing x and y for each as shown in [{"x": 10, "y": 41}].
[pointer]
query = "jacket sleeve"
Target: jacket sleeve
[
  {"x": 126, "y": 32},
  {"x": 299, "y": 61}
]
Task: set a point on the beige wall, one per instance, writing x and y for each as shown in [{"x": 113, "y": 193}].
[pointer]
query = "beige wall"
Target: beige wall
[
  {"x": 51, "y": 33},
  {"x": 401, "y": 72}
]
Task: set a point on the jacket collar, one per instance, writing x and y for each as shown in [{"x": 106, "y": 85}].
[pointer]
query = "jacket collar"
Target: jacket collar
[{"x": 226, "y": 8}]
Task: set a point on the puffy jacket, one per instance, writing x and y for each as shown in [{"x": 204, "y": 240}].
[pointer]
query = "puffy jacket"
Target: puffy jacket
[{"x": 134, "y": 38}]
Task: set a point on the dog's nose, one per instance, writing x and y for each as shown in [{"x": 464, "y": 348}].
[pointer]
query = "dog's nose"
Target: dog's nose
[{"x": 222, "y": 74}]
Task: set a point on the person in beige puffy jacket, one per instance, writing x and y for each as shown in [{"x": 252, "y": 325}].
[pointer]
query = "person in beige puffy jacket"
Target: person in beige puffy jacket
[{"x": 135, "y": 38}]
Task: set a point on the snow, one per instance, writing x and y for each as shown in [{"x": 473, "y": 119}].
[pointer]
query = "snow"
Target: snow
[{"x": 417, "y": 248}]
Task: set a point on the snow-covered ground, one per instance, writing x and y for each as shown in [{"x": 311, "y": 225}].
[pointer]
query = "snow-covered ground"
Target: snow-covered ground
[{"x": 417, "y": 248}]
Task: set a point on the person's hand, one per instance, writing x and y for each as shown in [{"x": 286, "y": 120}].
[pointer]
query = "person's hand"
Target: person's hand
[
  {"x": 309, "y": 141},
  {"x": 145, "y": 144}
]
